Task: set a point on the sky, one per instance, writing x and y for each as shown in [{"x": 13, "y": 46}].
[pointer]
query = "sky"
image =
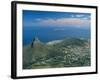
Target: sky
[{"x": 55, "y": 19}]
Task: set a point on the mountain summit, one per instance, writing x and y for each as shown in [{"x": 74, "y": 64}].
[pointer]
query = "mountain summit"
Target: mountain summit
[{"x": 36, "y": 42}]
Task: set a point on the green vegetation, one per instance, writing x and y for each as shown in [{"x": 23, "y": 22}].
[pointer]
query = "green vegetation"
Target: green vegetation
[{"x": 73, "y": 52}]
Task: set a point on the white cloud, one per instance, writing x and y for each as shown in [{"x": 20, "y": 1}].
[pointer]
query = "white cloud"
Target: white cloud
[
  {"x": 38, "y": 19},
  {"x": 80, "y": 15},
  {"x": 64, "y": 22}
]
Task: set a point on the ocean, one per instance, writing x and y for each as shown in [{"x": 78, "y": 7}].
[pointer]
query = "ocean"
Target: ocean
[{"x": 46, "y": 34}]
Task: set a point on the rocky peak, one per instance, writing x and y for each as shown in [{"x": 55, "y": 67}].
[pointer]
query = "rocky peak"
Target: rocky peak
[{"x": 36, "y": 42}]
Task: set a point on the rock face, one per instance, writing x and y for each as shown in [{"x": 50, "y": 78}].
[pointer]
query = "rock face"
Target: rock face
[
  {"x": 73, "y": 52},
  {"x": 35, "y": 43}
]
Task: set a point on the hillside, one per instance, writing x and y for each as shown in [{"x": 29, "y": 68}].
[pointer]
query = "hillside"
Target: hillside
[{"x": 71, "y": 52}]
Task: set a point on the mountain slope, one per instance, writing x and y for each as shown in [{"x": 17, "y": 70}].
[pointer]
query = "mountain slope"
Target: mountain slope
[{"x": 72, "y": 52}]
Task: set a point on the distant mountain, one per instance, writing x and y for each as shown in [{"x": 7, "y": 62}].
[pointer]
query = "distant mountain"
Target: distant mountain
[{"x": 59, "y": 53}]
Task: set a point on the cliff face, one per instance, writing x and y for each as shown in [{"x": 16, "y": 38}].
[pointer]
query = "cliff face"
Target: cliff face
[{"x": 36, "y": 43}]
